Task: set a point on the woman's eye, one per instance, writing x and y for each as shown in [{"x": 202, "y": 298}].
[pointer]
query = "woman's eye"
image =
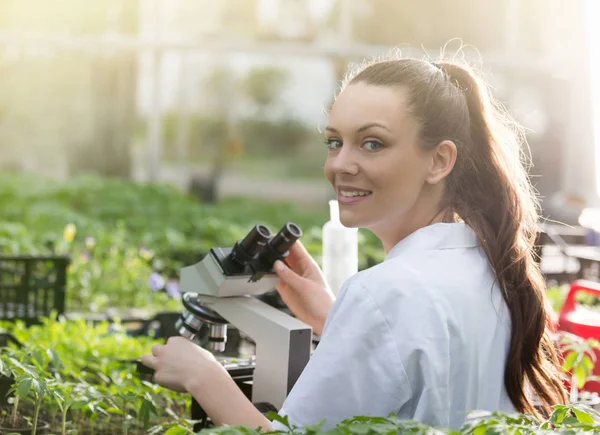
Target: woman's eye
[
  {"x": 372, "y": 145},
  {"x": 333, "y": 144}
]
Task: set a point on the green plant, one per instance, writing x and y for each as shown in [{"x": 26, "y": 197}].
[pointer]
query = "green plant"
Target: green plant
[
  {"x": 556, "y": 296},
  {"x": 123, "y": 402},
  {"x": 263, "y": 87},
  {"x": 13, "y": 367},
  {"x": 206, "y": 133},
  {"x": 117, "y": 233},
  {"x": 579, "y": 361},
  {"x": 67, "y": 396},
  {"x": 78, "y": 367},
  {"x": 86, "y": 373},
  {"x": 565, "y": 420},
  {"x": 179, "y": 426},
  {"x": 265, "y": 138},
  {"x": 33, "y": 384}
]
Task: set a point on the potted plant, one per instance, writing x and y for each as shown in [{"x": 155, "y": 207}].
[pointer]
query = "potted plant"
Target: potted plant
[
  {"x": 6, "y": 381},
  {"x": 70, "y": 375},
  {"x": 28, "y": 385}
]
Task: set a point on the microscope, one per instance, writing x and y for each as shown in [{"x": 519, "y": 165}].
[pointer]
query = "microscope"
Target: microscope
[{"x": 225, "y": 287}]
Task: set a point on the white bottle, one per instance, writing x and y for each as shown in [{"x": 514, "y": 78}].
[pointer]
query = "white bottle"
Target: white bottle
[{"x": 340, "y": 250}]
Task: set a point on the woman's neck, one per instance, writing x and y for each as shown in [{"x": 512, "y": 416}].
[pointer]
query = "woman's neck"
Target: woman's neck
[{"x": 394, "y": 233}]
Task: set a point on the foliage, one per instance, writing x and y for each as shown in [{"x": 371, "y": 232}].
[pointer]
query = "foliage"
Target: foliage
[
  {"x": 263, "y": 87},
  {"x": 119, "y": 232},
  {"x": 567, "y": 420},
  {"x": 76, "y": 375},
  {"x": 206, "y": 134},
  {"x": 276, "y": 138},
  {"x": 260, "y": 138},
  {"x": 556, "y": 296},
  {"x": 579, "y": 360},
  {"x": 80, "y": 375}
]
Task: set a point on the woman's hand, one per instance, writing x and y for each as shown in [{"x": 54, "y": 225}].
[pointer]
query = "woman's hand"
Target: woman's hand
[
  {"x": 182, "y": 366},
  {"x": 303, "y": 287},
  {"x": 180, "y": 362}
]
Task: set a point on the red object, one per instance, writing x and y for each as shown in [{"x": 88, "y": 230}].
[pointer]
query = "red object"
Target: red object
[{"x": 582, "y": 322}]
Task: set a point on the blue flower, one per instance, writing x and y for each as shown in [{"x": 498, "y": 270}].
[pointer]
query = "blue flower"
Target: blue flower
[{"x": 156, "y": 282}]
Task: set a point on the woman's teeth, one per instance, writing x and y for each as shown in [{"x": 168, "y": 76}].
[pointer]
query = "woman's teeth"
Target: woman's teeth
[{"x": 346, "y": 193}]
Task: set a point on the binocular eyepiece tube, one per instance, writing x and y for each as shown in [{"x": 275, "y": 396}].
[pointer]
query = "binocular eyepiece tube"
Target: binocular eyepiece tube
[
  {"x": 246, "y": 249},
  {"x": 260, "y": 243},
  {"x": 259, "y": 249},
  {"x": 285, "y": 238}
]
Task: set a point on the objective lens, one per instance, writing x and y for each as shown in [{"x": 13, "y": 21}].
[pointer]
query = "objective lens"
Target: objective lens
[
  {"x": 286, "y": 237},
  {"x": 217, "y": 337},
  {"x": 255, "y": 241}
]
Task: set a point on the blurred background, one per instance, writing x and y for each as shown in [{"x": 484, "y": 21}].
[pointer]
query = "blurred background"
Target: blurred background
[
  {"x": 135, "y": 135},
  {"x": 154, "y": 129}
]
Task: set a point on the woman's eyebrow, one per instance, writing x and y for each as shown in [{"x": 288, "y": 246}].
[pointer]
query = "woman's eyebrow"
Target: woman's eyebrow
[{"x": 361, "y": 129}]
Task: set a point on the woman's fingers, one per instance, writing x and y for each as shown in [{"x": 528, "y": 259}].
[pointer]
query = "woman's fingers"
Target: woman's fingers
[
  {"x": 299, "y": 258},
  {"x": 149, "y": 361}
]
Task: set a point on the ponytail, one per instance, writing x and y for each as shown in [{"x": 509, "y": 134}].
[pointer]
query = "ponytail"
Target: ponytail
[{"x": 496, "y": 199}]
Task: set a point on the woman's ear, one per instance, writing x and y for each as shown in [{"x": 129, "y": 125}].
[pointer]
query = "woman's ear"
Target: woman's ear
[{"x": 443, "y": 159}]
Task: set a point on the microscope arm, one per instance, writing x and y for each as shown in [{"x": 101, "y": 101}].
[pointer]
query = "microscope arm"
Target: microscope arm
[{"x": 283, "y": 344}]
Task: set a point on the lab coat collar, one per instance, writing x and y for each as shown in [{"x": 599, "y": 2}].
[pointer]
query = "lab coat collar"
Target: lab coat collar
[{"x": 437, "y": 236}]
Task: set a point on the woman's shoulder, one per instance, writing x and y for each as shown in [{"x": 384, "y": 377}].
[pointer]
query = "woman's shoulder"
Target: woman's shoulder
[
  {"x": 438, "y": 263},
  {"x": 392, "y": 286},
  {"x": 394, "y": 275}
]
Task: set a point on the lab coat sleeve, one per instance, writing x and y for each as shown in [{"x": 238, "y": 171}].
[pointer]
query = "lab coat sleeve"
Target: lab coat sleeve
[{"x": 355, "y": 370}]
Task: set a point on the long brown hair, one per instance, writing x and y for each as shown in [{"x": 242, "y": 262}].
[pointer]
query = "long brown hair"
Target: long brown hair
[{"x": 488, "y": 189}]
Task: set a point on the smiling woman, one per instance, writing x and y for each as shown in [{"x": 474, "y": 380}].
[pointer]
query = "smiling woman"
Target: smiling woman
[
  {"x": 371, "y": 139},
  {"x": 454, "y": 319}
]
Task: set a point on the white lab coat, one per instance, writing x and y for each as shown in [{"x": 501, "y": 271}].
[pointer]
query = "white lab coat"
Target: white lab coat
[{"x": 423, "y": 335}]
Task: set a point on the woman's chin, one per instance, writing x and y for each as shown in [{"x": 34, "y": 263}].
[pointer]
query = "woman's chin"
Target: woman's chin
[{"x": 349, "y": 219}]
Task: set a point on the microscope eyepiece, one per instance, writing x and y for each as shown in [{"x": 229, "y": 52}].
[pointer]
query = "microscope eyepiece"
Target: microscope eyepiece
[
  {"x": 286, "y": 237},
  {"x": 278, "y": 246},
  {"x": 255, "y": 241}
]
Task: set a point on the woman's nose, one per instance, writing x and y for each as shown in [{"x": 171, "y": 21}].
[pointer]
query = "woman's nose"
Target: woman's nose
[{"x": 345, "y": 161}]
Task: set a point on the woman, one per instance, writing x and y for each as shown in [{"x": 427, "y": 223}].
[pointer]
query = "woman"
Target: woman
[{"x": 454, "y": 319}]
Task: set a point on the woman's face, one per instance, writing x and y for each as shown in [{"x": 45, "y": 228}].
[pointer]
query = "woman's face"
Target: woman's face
[{"x": 374, "y": 162}]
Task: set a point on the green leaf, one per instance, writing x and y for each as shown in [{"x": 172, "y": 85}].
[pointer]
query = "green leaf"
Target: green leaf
[
  {"x": 146, "y": 409},
  {"x": 569, "y": 361},
  {"x": 124, "y": 426},
  {"x": 38, "y": 387},
  {"x": 583, "y": 417},
  {"x": 580, "y": 373},
  {"x": 570, "y": 421},
  {"x": 273, "y": 416},
  {"x": 79, "y": 404},
  {"x": 113, "y": 410},
  {"x": 588, "y": 363},
  {"x": 560, "y": 411},
  {"x": 24, "y": 387},
  {"x": 176, "y": 430}
]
